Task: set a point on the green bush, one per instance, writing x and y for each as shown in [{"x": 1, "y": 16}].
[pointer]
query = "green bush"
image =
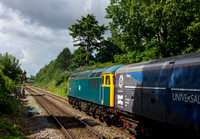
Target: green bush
[
  {"x": 9, "y": 129},
  {"x": 6, "y": 87}
]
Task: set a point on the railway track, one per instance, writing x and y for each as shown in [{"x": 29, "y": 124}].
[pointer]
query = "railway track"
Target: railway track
[
  {"x": 70, "y": 125},
  {"x": 65, "y": 102}
]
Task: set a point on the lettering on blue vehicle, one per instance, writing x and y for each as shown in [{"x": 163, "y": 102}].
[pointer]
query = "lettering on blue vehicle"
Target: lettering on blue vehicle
[
  {"x": 186, "y": 98},
  {"x": 120, "y": 101},
  {"x": 127, "y": 101}
]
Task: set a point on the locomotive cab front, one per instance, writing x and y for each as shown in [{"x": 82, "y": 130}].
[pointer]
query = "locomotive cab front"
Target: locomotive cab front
[{"x": 107, "y": 87}]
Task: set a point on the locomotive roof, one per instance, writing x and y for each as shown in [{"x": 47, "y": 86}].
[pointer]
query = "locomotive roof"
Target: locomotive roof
[
  {"x": 159, "y": 61},
  {"x": 95, "y": 72}
]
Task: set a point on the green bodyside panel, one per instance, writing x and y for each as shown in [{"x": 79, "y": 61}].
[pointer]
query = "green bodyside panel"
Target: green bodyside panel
[
  {"x": 106, "y": 95},
  {"x": 80, "y": 89}
]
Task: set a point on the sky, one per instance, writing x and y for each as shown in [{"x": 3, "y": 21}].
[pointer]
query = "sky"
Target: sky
[{"x": 36, "y": 31}]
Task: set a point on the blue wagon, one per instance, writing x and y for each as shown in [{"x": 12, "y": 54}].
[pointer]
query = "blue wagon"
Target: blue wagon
[{"x": 166, "y": 90}]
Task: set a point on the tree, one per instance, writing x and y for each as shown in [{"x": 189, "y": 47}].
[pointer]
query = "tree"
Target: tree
[
  {"x": 11, "y": 66},
  {"x": 154, "y": 29},
  {"x": 126, "y": 25},
  {"x": 9, "y": 71},
  {"x": 87, "y": 33},
  {"x": 107, "y": 51},
  {"x": 63, "y": 60},
  {"x": 6, "y": 87},
  {"x": 79, "y": 57},
  {"x": 173, "y": 21}
]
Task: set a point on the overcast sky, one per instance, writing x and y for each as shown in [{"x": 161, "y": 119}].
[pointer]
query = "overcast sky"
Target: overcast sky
[{"x": 36, "y": 31}]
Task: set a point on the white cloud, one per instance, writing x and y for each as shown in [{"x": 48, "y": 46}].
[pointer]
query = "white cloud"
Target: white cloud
[
  {"x": 35, "y": 32},
  {"x": 34, "y": 45},
  {"x": 87, "y": 6}
]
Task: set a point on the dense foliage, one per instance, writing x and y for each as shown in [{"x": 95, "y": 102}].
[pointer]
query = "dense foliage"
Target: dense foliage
[
  {"x": 146, "y": 30},
  {"x": 107, "y": 51},
  {"x": 63, "y": 60},
  {"x": 52, "y": 75},
  {"x": 9, "y": 74},
  {"x": 80, "y": 58},
  {"x": 6, "y": 87},
  {"x": 11, "y": 67}
]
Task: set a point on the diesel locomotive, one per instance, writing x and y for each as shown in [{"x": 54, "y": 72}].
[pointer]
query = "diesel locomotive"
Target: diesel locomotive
[{"x": 164, "y": 90}]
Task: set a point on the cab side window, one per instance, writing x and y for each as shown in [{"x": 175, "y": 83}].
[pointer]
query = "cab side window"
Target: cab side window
[{"x": 107, "y": 80}]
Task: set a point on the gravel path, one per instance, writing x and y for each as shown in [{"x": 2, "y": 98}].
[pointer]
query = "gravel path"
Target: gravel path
[{"x": 40, "y": 125}]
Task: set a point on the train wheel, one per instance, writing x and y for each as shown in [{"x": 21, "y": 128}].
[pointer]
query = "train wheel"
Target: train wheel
[
  {"x": 90, "y": 110},
  {"x": 70, "y": 100},
  {"x": 95, "y": 114},
  {"x": 76, "y": 104},
  {"x": 108, "y": 120},
  {"x": 79, "y": 105},
  {"x": 117, "y": 121},
  {"x": 87, "y": 109},
  {"x": 101, "y": 117},
  {"x": 73, "y": 103}
]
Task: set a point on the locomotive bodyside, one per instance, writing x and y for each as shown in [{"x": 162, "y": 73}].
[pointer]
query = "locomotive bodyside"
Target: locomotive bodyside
[
  {"x": 79, "y": 87},
  {"x": 95, "y": 86},
  {"x": 166, "y": 90}
]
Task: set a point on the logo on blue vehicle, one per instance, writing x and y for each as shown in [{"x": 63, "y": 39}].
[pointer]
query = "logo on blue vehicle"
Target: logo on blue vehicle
[
  {"x": 121, "y": 81},
  {"x": 120, "y": 99}
]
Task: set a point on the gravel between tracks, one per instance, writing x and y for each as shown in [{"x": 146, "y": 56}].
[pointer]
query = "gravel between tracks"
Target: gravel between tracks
[{"x": 40, "y": 125}]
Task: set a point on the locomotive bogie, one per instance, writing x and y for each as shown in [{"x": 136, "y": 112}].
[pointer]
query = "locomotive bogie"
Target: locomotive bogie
[{"x": 97, "y": 111}]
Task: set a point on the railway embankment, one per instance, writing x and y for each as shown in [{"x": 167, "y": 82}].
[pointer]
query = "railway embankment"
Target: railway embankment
[
  {"x": 10, "y": 110},
  {"x": 29, "y": 121}
]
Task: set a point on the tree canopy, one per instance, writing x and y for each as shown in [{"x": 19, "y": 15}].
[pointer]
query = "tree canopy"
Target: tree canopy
[
  {"x": 152, "y": 29},
  {"x": 107, "y": 51},
  {"x": 63, "y": 60},
  {"x": 79, "y": 57},
  {"x": 87, "y": 33},
  {"x": 9, "y": 75},
  {"x": 10, "y": 66}
]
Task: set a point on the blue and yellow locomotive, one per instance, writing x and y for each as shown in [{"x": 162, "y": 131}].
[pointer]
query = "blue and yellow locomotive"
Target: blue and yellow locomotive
[{"x": 164, "y": 90}]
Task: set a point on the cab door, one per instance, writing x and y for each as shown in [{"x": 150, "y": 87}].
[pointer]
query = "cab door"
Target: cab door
[{"x": 107, "y": 90}]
